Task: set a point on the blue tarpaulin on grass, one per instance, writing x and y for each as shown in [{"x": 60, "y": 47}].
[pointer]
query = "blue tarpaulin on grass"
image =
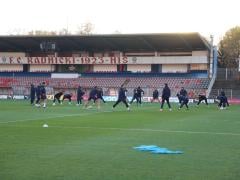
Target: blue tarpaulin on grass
[{"x": 156, "y": 150}]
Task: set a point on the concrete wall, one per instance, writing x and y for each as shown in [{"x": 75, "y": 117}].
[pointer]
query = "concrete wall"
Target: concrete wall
[
  {"x": 12, "y": 54},
  {"x": 198, "y": 66},
  {"x": 174, "y": 68},
  {"x": 105, "y": 68},
  {"x": 139, "y": 68},
  {"x": 44, "y": 68}
]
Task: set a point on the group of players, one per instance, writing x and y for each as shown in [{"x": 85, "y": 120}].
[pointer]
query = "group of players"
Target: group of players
[
  {"x": 96, "y": 94},
  {"x": 40, "y": 93}
]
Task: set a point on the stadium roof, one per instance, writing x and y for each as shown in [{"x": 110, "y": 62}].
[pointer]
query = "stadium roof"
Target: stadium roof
[{"x": 111, "y": 42}]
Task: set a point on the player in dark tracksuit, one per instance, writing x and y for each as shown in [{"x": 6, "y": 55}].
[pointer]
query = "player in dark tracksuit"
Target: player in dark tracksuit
[
  {"x": 57, "y": 97},
  {"x": 135, "y": 96},
  {"x": 223, "y": 101},
  {"x": 183, "y": 100},
  {"x": 80, "y": 94},
  {"x": 32, "y": 94},
  {"x": 166, "y": 93},
  {"x": 183, "y": 93},
  {"x": 67, "y": 96},
  {"x": 155, "y": 96},
  {"x": 140, "y": 92},
  {"x": 99, "y": 95},
  {"x": 225, "y": 97},
  {"x": 122, "y": 97},
  {"x": 92, "y": 96},
  {"x": 43, "y": 94},
  {"x": 201, "y": 98},
  {"x": 38, "y": 93}
]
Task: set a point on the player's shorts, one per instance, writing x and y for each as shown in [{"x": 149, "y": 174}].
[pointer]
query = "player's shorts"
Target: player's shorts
[
  {"x": 43, "y": 96},
  {"x": 91, "y": 98}
]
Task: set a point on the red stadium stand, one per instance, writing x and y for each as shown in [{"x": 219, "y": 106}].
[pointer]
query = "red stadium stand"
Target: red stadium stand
[{"x": 193, "y": 84}]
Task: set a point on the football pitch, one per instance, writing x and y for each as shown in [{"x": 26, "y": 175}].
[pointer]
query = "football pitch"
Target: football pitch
[{"x": 98, "y": 144}]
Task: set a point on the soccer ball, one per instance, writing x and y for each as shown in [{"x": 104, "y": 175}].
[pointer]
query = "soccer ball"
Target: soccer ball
[{"x": 45, "y": 125}]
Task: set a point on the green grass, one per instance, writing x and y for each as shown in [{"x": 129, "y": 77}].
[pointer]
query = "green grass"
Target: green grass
[{"x": 98, "y": 144}]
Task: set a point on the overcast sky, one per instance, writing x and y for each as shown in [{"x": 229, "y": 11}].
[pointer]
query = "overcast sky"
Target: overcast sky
[{"x": 126, "y": 16}]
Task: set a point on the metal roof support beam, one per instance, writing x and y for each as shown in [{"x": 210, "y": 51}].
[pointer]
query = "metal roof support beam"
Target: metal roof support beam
[
  {"x": 185, "y": 42},
  {"x": 147, "y": 43},
  {"x": 113, "y": 45},
  {"x": 205, "y": 42}
]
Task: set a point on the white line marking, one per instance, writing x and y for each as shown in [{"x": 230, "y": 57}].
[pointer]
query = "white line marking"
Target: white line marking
[
  {"x": 44, "y": 118},
  {"x": 153, "y": 130},
  {"x": 136, "y": 129},
  {"x": 68, "y": 115}
]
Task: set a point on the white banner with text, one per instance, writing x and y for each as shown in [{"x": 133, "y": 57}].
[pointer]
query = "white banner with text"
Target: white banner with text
[{"x": 106, "y": 60}]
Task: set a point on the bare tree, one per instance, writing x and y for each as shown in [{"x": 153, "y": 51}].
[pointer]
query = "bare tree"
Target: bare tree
[
  {"x": 17, "y": 31},
  {"x": 117, "y": 32},
  {"x": 64, "y": 31},
  {"x": 42, "y": 32},
  {"x": 86, "y": 28},
  {"x": 229, "y": 48}
]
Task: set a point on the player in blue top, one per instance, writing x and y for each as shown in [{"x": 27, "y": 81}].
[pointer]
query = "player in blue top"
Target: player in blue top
[
  {"x": 202, "y": 97},
  {"x": 43, "y": 94},
  {"x": 57, "y": 97},
  {"x": 155, "y": 96},
  {"x": 166, "y": 93},
  {"x": 80, "y": 94},
  {"x": 122, "y": 97},
  {"x": 92, "y": 96},
  {"x": 183, "y": 101},
  {"x": 32, "y": 94}
]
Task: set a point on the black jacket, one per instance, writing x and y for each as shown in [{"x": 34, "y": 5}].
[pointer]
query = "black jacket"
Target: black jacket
[
  {"x": 122, "y": 93},
  {"x": 166, "y": 93}
]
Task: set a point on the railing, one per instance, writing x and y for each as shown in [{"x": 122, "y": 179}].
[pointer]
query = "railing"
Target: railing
[{"x": 210, "y": 85}]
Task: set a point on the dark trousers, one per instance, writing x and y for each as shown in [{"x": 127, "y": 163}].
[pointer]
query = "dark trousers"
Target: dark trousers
[
  {"x": 222, "y": 104},
  {"x": 32, "y": 99},
  {"x": 58, "y": 99},
  {"x": 121, "y": 100},
  {"x": 79, "y": 99},
  {"x": 99, "y": 98},
  {"x": 184, "y": 103},
  {"x": 163, "y": 101},
  {"x": 38, "y": 99},
  {"x": 138, "y": 99},
  {"x": 227, "y": 102},
  {"x": 201, "y": 99},
  {"x": 69, "y": 99},
  {"x": 134, "y": 97},
  {"x": 223, "y": 101}
]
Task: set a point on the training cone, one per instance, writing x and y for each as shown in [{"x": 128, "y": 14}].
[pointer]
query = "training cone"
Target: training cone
[{"x": 45, "y": 125}]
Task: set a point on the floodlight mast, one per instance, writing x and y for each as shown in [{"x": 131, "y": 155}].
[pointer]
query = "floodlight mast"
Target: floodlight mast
[{"x": 211, "y": 57}]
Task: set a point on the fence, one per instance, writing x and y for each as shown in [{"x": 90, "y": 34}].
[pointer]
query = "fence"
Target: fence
[
  {"x": 230, "y": 93},
  {"x": 228, "y": 74}
]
